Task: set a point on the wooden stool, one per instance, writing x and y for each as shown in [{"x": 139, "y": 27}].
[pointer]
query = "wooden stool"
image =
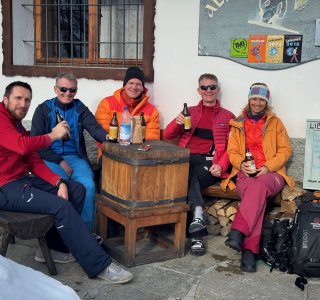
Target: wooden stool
[
  {"x": 132, "y": 219},
  {"x": 26, "y": 226}
]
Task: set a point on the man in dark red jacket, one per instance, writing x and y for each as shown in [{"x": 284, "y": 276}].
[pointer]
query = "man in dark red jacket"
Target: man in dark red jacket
[
  {"x": 207, "y": 142},
  {"x": 45, "y": 192}
]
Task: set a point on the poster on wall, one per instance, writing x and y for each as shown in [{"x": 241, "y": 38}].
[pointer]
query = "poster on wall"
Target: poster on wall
[
  {"x": 292, "y": 48},
  {"x": 239, "y": 47},
  {"x": 311, "y": 174},
  {"x": 274, "y": 49},
  {"x": 257, "y": 48},
  {"x": 219, "y": 28}
]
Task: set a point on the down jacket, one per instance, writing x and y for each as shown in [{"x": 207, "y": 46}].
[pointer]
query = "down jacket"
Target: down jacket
[
  {"x": 220, "y": 130},
  {"x": 275, "y": 142},
  {"x": 115, "y": 103}
]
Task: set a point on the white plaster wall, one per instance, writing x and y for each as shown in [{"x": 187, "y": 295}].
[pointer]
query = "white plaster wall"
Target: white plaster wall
[{"x": 295, "y": 91}]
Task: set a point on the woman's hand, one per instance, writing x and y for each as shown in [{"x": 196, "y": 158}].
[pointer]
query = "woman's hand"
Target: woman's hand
[
  {"x": 263, "y": 170},
  {"x": 245, "y": 168}
]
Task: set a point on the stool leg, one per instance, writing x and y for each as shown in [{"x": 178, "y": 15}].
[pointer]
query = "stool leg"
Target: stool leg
[
  {"x": 180, "y": 234},
  {"x": 103, "y": 227},
  {"x": 47, "y": 255},
  {"x": 130, "y": 239},
  {"x": 5, "y": 237}
]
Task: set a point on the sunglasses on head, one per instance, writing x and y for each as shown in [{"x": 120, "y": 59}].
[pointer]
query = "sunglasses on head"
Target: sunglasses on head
[
  {"x": 65, "y": 89},
  {"x": 206, "y": 87}
]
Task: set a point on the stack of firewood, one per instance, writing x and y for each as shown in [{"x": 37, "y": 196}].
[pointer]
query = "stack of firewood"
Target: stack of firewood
[{"x": 221, "y": 214}]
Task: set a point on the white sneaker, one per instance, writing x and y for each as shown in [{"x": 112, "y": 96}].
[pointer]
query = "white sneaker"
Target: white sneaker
[
  {"x": 58, "y": 257},
  {"x": 115, "y": 274}
]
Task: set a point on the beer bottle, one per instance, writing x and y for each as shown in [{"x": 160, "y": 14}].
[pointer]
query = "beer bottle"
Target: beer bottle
[
  {"x": 59, "y": 119},
  {"x": 143, "y": 126},
  {"x": 113, "y": 129},
  {"x": 187, "y": 118},
  {"x": 250, "y": 161}
]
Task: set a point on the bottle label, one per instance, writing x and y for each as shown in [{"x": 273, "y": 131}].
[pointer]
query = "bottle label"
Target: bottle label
[
  {"x": 125, "y": 131},
  {"x": 252, "y": 165},
  {"x": 113, "y": 133},
  {"x": 187, "y": 122},
  {"x": 143, "y": 132}
]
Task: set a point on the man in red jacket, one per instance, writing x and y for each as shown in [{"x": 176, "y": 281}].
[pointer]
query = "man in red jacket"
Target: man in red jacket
[
  {"x": 207, "y": 142},
  {"x": 44, "y": 192}
]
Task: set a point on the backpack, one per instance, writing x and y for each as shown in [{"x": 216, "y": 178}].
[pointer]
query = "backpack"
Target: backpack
[{"x": 304, "y": 253}]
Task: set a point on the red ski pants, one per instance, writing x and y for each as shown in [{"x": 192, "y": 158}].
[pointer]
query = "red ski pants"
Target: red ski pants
[{"x": 254, "y": 192}]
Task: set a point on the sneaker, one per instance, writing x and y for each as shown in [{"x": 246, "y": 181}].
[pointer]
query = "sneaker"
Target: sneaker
[
  {"x": 197, "y": 225},
  {"x": 197, "y": 248},
  {"x": 58, "y": 257},
  {"x": 98, "y": 238},
  {"x": 115, "y": 274}
]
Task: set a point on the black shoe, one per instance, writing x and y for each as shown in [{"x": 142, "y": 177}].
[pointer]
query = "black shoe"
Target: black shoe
[
  {"x": 235, "y": 240},
  {"x": 248, "y": 261},
  {"x": 197, "y": 225},
  {"x": 197, "y": 248}
]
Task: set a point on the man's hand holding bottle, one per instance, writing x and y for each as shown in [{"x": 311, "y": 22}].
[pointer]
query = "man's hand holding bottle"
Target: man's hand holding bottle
[{"x": 62, "y": 129}]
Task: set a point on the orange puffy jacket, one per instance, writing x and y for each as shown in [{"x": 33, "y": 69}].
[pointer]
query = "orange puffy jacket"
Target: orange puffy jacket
[
  {"x": 275, "y": 143},
  {"x": 115, "y": 103}
]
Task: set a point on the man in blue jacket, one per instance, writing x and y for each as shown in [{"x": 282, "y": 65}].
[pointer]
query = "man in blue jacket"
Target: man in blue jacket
[{"x": 68, "y": 157}]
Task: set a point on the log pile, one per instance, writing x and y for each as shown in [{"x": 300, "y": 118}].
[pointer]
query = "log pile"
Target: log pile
[
  {"x": 221, "y": 215},
  {"x": 222, "y": 211},
  {"x": 288, "y": 202}
]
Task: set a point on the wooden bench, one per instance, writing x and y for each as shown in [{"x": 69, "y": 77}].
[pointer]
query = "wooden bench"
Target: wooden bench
[
  {"x": 216, "y": 191},
  {"x": 26, "y": 226}
]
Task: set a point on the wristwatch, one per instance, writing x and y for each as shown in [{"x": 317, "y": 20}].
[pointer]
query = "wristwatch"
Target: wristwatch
[{"x": 59, "y": 183}]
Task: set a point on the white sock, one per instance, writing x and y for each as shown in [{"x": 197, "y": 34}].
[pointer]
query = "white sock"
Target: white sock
[
  {"x": 198, "y": 212},
  {"x": 196, "y": 239}
]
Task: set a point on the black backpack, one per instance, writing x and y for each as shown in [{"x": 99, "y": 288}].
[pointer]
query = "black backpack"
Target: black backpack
[{"x": 304, "y": 253}]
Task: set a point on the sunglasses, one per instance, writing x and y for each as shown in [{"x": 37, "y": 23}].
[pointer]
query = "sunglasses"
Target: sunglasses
[
  {"x": 206, "y": 87},
  {"x": 65, "y": 89}
]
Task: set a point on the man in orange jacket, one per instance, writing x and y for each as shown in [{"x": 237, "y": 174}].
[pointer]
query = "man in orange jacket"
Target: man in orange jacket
[{"x": 133, "y": 94}]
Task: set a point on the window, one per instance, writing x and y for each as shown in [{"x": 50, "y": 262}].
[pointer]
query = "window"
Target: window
[{"x": 95, "y": 39}]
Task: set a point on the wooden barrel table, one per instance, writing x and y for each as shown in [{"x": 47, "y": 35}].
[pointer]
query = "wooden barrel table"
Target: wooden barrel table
[
  {"x": 141, "y": 189},
  {"x": 138, "y": 179}
]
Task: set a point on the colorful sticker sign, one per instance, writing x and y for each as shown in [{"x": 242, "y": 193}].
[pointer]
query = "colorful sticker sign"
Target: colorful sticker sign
[{"x": 239, "y": 47}]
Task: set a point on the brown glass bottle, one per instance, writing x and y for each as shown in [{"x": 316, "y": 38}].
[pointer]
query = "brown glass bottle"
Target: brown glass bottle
[
  {"x": 187, "y": 118},
  {"x": 59, "y": 119},
  {"x": 113, "y": 129},
  {"x": 143, "y": 126},
  {"x": 250, "y": 161}
]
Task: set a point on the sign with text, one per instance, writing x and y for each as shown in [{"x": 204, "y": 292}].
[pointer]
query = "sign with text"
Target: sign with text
[
  {"x": 311, "y": 178},
  {"x": 225, "y": 26}
]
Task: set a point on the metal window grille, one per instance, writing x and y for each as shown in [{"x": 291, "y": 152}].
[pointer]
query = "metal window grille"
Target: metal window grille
[{"x": 100, "y": 33}]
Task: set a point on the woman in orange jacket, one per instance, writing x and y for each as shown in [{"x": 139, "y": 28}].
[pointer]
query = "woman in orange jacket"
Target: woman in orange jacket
[{"x": 261, "y": 132}]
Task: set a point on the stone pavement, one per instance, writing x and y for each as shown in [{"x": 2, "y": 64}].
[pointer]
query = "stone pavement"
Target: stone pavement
[{"x": 216, "y": 275}]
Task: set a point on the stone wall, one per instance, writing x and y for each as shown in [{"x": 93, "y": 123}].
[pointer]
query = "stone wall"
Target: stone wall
[{"x": 295, "y": 164}]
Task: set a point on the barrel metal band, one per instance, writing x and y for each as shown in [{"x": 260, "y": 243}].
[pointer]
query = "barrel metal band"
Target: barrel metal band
[
  {"x": 144, "y": 203},
  {"x": 145, "y": 162}
]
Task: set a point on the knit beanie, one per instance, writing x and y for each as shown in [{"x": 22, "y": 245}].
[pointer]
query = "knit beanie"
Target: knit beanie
[
  {"x": 134, "y": 72},
  {"x": 259, "y": 91}
]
